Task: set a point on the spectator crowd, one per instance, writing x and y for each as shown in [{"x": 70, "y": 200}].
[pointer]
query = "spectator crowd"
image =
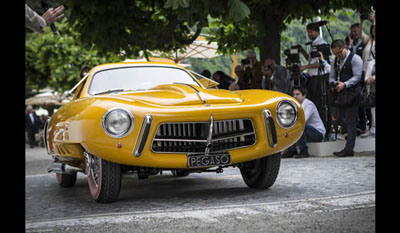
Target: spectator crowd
[{"x": 337, "y": 94}]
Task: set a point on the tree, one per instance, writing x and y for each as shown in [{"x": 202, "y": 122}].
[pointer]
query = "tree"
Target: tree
[
  {"x": 268, "y": 19},
  {"x": 166, "y": 25}
]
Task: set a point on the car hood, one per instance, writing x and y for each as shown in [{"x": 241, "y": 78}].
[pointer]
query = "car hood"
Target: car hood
[{"x": 183, "y": 94}]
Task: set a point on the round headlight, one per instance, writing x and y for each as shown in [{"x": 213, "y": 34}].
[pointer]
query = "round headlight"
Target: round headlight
[
  {"x": 286, "y": 114},
  {"x": 118, "y": 122}
]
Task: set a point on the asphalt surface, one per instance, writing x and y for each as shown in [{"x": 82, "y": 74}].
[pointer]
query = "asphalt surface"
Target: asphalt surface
[{"x": 317, "y": 194}]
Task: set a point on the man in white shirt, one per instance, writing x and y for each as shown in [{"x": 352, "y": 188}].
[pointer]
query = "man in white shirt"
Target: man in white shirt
[
  {"x": 315, "y": 129},
  {"x": 318, "y": 81}
]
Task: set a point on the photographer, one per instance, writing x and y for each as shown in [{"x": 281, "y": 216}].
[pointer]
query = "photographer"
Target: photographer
[
  {"x": 344, "y": 80},
  {"x": 251, "y": 78},
  {"x": 276, "y": 77},
  {"x": 313, "y": 35},
  {"x": 318, "y": 81}
]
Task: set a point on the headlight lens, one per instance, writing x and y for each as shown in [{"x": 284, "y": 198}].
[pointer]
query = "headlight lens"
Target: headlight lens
[
  {"x": 118, "y": 122},
  {"x": 286, "y": 114}
]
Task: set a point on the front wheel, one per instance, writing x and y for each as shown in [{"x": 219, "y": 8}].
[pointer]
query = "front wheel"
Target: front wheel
[
  {"x": 261, "y": 173},
  {"x": 104, "y": 179},
  {"x": 66, "y": 180},
  {"x": 180, "y": 172}
]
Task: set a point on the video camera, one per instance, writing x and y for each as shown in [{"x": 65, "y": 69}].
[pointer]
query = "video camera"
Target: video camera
[
  {"x": 324, "y": 48},
  {"x": 293, "y": 61}
]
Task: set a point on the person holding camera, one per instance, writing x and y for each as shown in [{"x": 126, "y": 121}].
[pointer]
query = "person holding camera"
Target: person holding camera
[
  {"x": 318, "y": 80},
  {"x": 276, "y": 77},
  {"x": 251, "y": 78},
  {"x": 344, "y": 80},
  {"x": 316, "y": 40}
]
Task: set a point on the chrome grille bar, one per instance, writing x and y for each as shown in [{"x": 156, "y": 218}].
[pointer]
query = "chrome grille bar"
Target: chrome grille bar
[{"x": 184, "y": 137}]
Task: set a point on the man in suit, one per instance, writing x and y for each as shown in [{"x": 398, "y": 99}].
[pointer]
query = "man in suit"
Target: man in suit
[
  {"x": 32, "y": 125},
  {"x": 345, "y": 76}
]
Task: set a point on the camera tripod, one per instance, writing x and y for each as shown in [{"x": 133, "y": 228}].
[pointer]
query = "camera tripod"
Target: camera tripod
[
  {"x": 323, "y": 109},
  {"x": 297, "y": 80}
]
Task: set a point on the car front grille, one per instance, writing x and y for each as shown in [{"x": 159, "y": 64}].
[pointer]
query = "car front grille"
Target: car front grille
[{"x": 184, "y": 137}]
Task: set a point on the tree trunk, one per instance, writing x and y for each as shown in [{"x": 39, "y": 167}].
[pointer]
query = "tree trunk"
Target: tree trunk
[{"x": 269, "y": 28}]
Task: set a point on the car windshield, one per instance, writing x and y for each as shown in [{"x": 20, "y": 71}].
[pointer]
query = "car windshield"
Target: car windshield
[{"x": 137, "y": 78}]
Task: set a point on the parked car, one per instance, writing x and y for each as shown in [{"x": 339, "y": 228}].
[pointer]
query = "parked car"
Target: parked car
[{"x": 147, "y": 117}]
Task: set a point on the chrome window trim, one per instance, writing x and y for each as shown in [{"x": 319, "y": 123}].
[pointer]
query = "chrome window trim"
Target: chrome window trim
[
  {"x": 120, "y": 109},
  {"x": 77, "y": 85},
  {"x": 295, "y": 110}
]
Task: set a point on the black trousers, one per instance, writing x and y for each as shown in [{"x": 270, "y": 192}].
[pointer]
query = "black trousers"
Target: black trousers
[
  {"x": 317, "y": 89},
  {"x": 31, "y": 138},
  {"x": 348, "y": 117}
]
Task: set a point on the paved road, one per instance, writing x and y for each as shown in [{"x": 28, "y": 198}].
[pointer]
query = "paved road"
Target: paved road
[{"x": 326, "y": 194}]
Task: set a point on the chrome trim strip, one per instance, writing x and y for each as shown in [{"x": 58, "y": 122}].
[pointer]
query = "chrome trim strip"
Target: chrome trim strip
[
  {"x": 143, "y": 134},
  {"x": 45, "y": 141},
  {"x": 233, "y": 136},
  {"x": 209, "y": 137},
  {"x": 199, "y": 93},
  {"x": 178, "y": 140},
  {"x": 272, "y": 140}
]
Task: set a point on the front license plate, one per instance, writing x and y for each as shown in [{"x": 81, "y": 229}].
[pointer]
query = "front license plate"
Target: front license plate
[{"x": 212, "y": 159}]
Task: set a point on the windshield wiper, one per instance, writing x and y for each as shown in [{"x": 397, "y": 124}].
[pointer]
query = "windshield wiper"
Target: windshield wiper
[{"x": 113, "y": 90}]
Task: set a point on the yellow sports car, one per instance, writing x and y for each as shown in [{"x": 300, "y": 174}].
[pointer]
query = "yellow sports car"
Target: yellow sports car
[{"x": 147, "y": 117}]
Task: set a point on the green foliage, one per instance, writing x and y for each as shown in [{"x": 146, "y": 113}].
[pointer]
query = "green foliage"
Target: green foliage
[
  {"x": 55, "y": 61},
  {"x": 237, "y": 10},
  {"x": 134, "y": 26},
  {"x": 223, "y": 63},
  {"x": 175, "y": 4}
]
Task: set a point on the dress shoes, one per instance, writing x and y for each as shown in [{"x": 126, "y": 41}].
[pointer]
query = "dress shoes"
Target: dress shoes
[
  {"x": 288, "y": 153},
  {"x": 344, "y": 153},
  {"x": 303, "y": 154}
]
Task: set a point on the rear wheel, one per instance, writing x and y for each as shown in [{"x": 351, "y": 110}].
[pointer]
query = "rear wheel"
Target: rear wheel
[
  {"x": 261, "y": 173},
  {"x": 104, "y": 179}
]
